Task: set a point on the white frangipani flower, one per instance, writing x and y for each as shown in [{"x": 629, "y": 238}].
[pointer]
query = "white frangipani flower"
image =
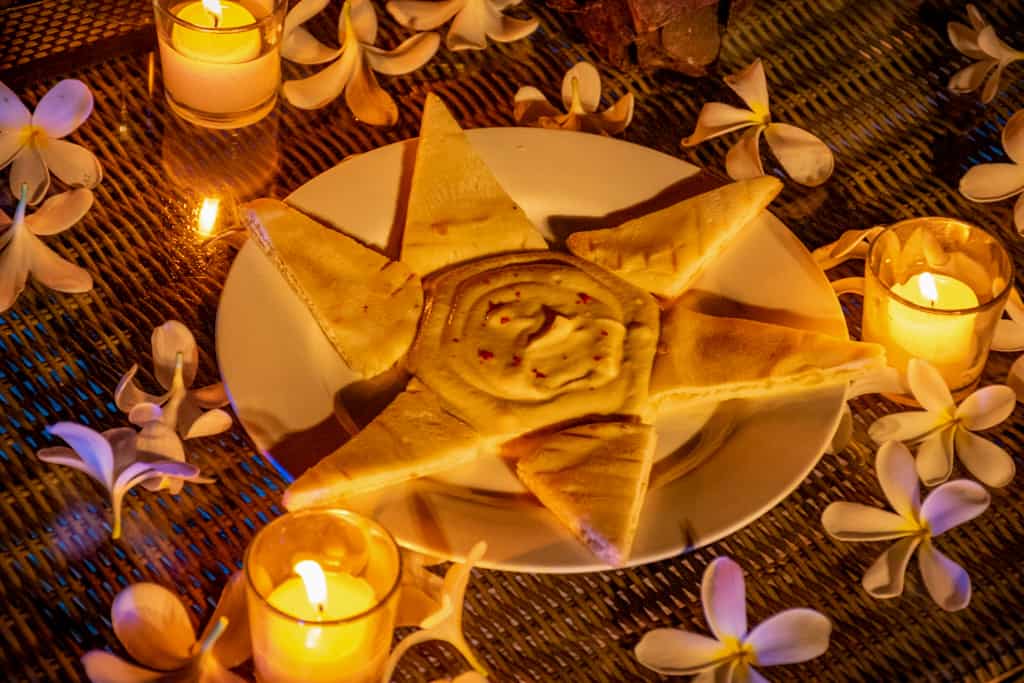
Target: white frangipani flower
[
  {"x": 980, "y": 42},
  {"x": 175, "y": 362},
  {"x": 915, "y": 524},
  {"x": 475, "y": 20},
  {"x": 23, "y": 253},
  {"x": 116, "y": 460},
  {"x": 995, "y": 182},
  {"x": 31, "y": 142},
  {"x": 581, "y": 95},
  {"x": 791, "y": 636},
  {"x": 944, "y": 429},
  {"x": 355, "y": 60},
  {"x": 154, "y": 628},
  {"x": 803, "y": 155},
  {"x": 446, "y": 623}
]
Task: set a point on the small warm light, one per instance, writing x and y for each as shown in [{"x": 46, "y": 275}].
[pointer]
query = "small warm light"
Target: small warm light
[
  {"x": 926, "y": 283},
  {"x": 314, "y": 581},
  {"x": 214, "y": 8},
  {"x": 208, "y": 215}
]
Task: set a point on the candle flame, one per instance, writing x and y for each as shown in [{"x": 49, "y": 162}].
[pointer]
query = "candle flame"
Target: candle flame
[
  {"x": 208, "y": 215},
  {"x": 926, "y": 283},
  {"x": 314, "y": 581},
  {"x": 213, "y": 7}
]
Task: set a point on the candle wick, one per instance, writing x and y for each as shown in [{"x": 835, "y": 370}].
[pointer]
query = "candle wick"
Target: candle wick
[
  {"x": 216, "y": 19},
  {"x": 320, "y": 610}
]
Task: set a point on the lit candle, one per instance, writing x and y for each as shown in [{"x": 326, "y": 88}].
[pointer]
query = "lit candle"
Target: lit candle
[
  {"x": 309, "y": 648},
  {"x": 942, "y": 339},
  {"x": 214, "y": 72},
  {"x": 207, "y": 219}
]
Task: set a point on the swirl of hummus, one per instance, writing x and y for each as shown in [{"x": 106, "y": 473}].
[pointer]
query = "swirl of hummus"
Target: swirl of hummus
[{"x": 520, "y": 341}]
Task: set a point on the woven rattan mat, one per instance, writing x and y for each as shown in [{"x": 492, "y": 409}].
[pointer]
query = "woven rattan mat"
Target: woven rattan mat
[{"x": 867, "y": 76}]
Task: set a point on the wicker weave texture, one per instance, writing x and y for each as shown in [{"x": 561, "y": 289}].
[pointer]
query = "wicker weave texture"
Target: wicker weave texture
[{"x": 868, "y": 76}]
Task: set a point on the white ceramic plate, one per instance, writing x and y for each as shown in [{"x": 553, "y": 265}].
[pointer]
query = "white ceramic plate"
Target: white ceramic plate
[{"x": 283, "y": 375}]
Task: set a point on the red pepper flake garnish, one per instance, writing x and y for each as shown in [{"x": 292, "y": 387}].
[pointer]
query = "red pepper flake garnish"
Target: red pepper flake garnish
[
  {"x": 366, "y": 308},
  {"x": 604, "y": 333},
  {"x": 516, "y": 360},
  {"x": 505, "y": 320},
  {"x": 485, "y": 354},
  {"x": 518, "y": 293},
  {"x": 584, "y": 298},
  {"x": 597, "y": 358},
  {"x": 455, "y": 340},
  {"x": 538, "y": 374}
]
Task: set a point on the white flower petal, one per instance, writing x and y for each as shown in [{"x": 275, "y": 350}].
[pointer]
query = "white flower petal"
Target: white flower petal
[
  {"x": 90, "y": 446},
  {"x": 851, "y": 244},
  {"x": 1009, "y": 334},
  {"x": 884, "y": 578},
  {"x": 752, "y": 87},
  {"x": 986, "y": 407},
  {"x": 64, "y": 108},
  {"x": 29, "y": 169},
  {"x": 413, "y": 53},
  {"x": 725, "y": 672},
  {"x": 324, "y": 86},
  {"x": 588, "y": 83},
  {"x": 898, "y": 479},
  {"x": 716, "y": 119},
  {"x": 209, "y": 423},
  {"x": 857, "y": 522},
  {"x": 1013, "y": 137},
  {"x": 127, "y": 394},
  {"x": 158, "y": 440},
  {"x": 935, "y": 457},
  {"x": 153, "y": 626},
  {"x": 234, "y": 646},
  {"x": 72, "y": 163},
  {"x": 965, "y": 39},
  {"x": 509, "y": 29},
  {"x": 148, "y": 472},
  {"x": 531, "y": 106},
  {"x": 423, "y": 15},
  {"x": 743, "y": 160},
  {"x": 13, "y": 114},
  {"x": 169, "y": 340},
  {"x": 60, "y": 212},
  {"x": 364, "y": 21},
  {"x": 15, "y": 260},
  {"x": 795, "y": 635},
  {"x": 617, "y": 117},
  {"x": 103, "y": 667},
  {"x": 803, "y": 155},
  {"x": 986, "y": 461},
  {"x": 61, "y": 455},
  {"x": 367, "y": 100},
  {"x": 992, "y": 182},
  {"x": 673, "y": 652},
  {"x": 122, "y": 443},
  {"x": 929, "y": 388},
  {"x": 1015, "y": 379},
  {"x": 213, "y": 396},
  {"x": 724, "y": 597},
  {"x": 298, "y": 44},
  {"x": 55, "y": 272},
  {"x": 887, "y": 380},
  {"x": 469, "y": 29},
  {"x": 952, "y": 504},
  {"x": 992, "y": 45},
  {"x": 970, "y": 78},
  {"x": 143, "y": 413},
  {"x": 988, "y": 93},
  {"x": 909, "y": 425},
  {"x": 946, "y": 581}
]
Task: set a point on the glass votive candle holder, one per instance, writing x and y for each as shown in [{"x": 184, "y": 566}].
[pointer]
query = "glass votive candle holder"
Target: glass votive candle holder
[
  {"x": 322, "y": 591},
  {"x": 221, "y": 59},
  {"x": 934, "y": 289}
]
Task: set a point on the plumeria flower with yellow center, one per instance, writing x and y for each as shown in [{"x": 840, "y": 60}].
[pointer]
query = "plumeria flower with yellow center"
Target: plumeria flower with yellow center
[
  {"x": 915, "y": 524},
  {"x": 980, "y": 42},
  {"x": 446, "y": 623},
  {"x": 117, "y": 460},
  {"x": 581, "y": 96},
  {"x": 154, "y": 628},
  {"x": 791, "y": 636},
  {"x": 944, "y": 429},
  {"x": 475, "y": 20},
  {"x": 803, "y": 155},
  {"x": 23, "y": 253},
  {"x": 995, "y": 182},
  {"x": 1009, "y": 336},
  {"x": 31, "y": 144},
  {"x": 354, "y": 61}
]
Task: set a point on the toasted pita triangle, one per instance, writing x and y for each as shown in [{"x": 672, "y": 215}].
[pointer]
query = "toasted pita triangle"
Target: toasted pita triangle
[
  {"x": 367, "y": 305},
  {"x": 703, "y": 357},
  {"x": 457, "y": 209},
  {"x": 664, "y": 252},
  {"x": 594, "y": 478},
  {"x": 412, "y": 437}
]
